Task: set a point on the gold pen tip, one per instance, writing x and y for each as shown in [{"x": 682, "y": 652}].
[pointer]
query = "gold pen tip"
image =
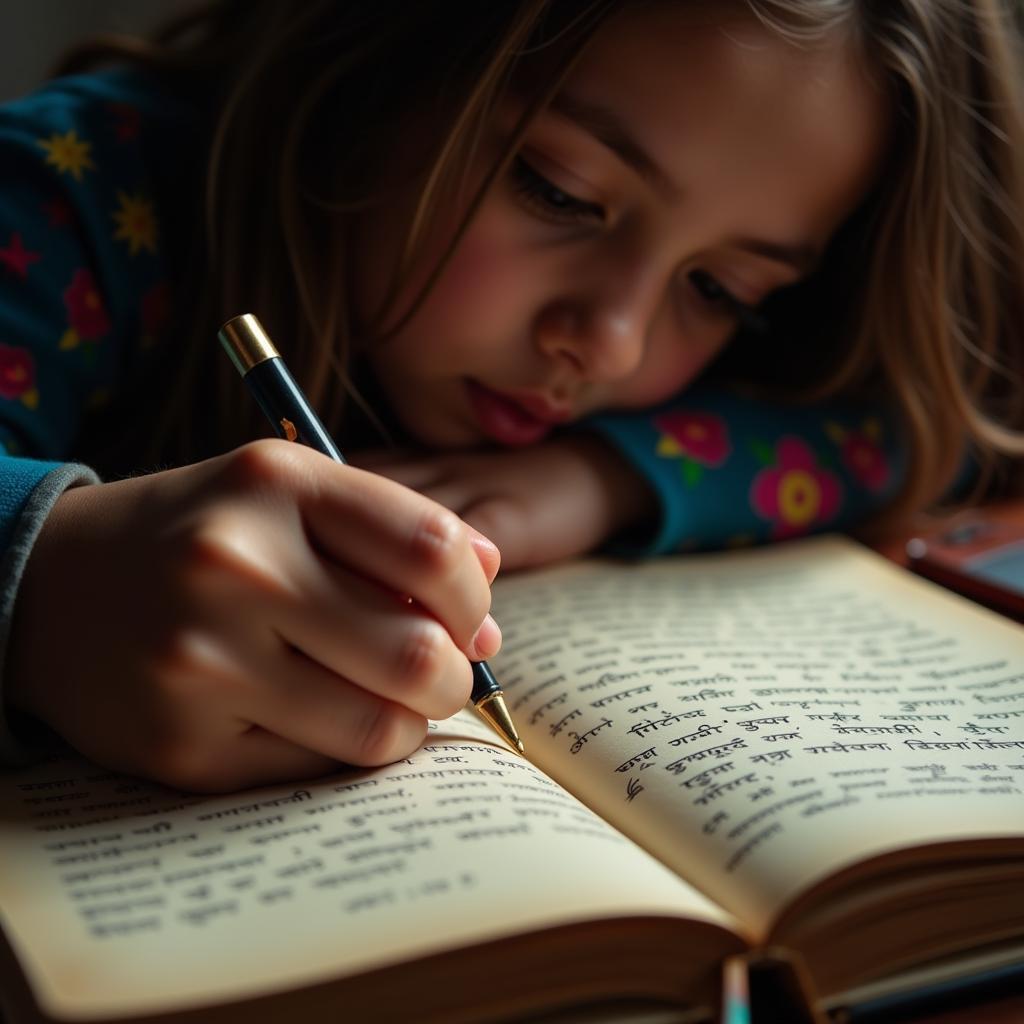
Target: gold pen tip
[{"x": 493, "y": 709}]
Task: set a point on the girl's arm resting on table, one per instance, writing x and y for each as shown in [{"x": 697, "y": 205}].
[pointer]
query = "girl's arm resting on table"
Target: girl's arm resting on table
[
  {"x": 708, "y": 470},
  {"x": 731, "y": 470},
  {"x": 546, "y": 502}
]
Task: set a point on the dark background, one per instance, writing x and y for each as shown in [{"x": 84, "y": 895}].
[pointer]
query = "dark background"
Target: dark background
[{"x": 34, "y": 32}]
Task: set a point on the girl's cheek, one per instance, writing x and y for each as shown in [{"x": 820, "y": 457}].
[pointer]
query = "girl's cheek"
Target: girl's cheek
[{"x": 482, "y": 281}]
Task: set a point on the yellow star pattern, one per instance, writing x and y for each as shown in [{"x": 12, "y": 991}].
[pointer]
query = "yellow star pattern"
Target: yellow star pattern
[
  {"x": 136, "y": 223},
  {"x": 68, "y": 153}
]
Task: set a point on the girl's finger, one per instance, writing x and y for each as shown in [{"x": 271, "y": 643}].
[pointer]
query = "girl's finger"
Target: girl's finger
[
  {"x": 486, "y": 550},
  {"x": 315, "y": 709},
  {"x": 461, "y": 499},
  {"x": 432, "y": 478},
  {"x": 500, "y": 517},
  {"x": 408, "y": 543},
  {"x": 385, "y": 645}
]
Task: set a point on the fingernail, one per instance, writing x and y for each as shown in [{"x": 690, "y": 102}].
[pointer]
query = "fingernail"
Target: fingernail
[
  {"x": 480, "y": 540},
  {"x": 487, "y": 640}
]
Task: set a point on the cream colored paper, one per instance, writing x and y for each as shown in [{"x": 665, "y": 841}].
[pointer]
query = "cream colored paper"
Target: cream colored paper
[
  {"x": 760, "y": 721},
  {"x": 756, "y": 721},
  {"x": 124, "y": 898}
]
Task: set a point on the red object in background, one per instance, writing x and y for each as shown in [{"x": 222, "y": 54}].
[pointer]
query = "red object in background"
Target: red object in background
[{"x": 978, "y": 553}]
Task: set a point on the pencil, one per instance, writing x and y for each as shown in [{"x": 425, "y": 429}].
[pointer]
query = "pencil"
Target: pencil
[{"x": 284, "y": 404}]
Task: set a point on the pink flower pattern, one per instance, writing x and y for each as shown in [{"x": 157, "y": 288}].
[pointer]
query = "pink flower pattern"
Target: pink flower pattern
[
  {"x": 87, "y": 313},
  {"x": 862, "y": 453},
  {"x": 696, "y": 435},
  {"x": 796, "y": 493},
  {"x": 699, "y": 439},
  {"x": 18, "y": 375}
]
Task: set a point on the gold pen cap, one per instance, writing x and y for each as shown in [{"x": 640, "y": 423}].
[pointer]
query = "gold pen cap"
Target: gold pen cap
[{"x": 246, "y": 342}]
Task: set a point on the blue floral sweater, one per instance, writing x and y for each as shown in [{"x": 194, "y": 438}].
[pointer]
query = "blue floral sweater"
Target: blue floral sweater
[{"x": 90, "y": 193}]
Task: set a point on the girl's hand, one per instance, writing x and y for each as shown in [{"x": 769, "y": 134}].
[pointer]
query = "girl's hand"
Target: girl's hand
[
  {"x": 539, "y": 504},
  {"x": 252, "y": 618}
]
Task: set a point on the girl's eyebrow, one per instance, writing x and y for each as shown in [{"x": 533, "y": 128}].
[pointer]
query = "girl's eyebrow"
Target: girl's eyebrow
[
  {"x": 803, "y": 258},
  {"x": 605, "y": 126}
]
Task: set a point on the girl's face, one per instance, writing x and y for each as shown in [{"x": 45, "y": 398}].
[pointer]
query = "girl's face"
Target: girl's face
[{"x": 687, "y": 169}]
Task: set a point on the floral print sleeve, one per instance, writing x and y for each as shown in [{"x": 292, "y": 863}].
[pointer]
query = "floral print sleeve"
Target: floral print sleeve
[
  {"x": 82, "y": 271},
  {"x": 729, "y": 470},
  {"x": 85, "y": 164}
]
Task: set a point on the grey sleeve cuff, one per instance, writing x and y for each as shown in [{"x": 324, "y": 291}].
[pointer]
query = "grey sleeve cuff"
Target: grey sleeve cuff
[{"x": 40, "y": 501}]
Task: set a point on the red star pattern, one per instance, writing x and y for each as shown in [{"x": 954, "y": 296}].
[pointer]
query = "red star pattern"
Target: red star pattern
[
  {"x": 17, "y": 257},
  {"x": 58, "y": 212},
  {"x": 127, "y": 121}
]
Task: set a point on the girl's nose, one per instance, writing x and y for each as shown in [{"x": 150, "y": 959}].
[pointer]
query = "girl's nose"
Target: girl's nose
[{"x": 602, "y": 337}]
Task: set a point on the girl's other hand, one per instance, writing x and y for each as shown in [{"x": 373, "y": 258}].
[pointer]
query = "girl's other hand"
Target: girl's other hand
[
  {"x": 256, "y": 617},
  {"x": 539, "y": 504}
]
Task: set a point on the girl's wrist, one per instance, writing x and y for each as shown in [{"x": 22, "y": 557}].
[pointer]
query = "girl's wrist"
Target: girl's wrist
[{"x": 631, "y": 504}]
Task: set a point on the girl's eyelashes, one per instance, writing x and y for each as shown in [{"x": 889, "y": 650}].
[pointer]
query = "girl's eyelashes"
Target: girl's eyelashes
[
  {"x": 550, "y": 201},
  {"x": 713, "y": 293},
  {"x": 555, "y": 204}
]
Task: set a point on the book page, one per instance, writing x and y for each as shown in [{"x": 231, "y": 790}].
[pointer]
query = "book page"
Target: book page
[
  {"x": 760, "y": 719},
  {"x": 120, "y": 896}
]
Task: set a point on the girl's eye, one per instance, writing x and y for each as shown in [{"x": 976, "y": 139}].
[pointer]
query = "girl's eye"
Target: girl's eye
[
  {"x": 548, "y": 199},
  {"x": 714, "y": 294}
]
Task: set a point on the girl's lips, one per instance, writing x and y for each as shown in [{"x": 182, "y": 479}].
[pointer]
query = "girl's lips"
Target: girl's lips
[{"x": 507, "y": 420}]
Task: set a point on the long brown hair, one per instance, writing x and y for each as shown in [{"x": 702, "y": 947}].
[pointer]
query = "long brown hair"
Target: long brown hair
[
  {"x": 306, "y": 104},
  {"x": 930, "y": 273},
  {"x": 921, "y": 301}
]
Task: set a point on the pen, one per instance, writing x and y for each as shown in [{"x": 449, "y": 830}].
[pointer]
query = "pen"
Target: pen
[{"x": 284, "y": 404}]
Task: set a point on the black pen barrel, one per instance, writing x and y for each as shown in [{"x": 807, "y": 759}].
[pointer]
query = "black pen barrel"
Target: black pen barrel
[
  {"x": 484, "y": 683},
  {"x": 284, "y": 404}
]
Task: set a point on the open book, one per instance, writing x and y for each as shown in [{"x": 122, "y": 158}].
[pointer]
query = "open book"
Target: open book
[{"x": 804, "y": 747}]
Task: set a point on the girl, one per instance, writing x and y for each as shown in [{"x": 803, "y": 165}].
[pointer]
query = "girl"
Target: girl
[{"x": 512, "y": 235}]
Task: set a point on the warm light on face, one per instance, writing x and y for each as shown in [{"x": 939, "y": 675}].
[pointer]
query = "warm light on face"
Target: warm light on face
[{"x": 685, "y": 172}]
